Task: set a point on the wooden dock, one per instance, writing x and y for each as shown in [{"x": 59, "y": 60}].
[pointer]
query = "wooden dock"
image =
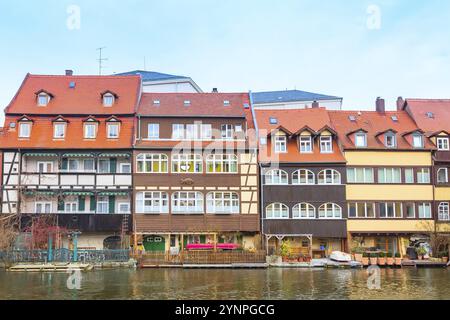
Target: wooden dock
[
  {"x": 49, "y": 267},
  {"x": 424, "y": 264}
]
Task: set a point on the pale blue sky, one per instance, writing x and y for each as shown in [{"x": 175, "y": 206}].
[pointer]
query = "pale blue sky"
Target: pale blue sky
[{"x": 238, "y": 45}]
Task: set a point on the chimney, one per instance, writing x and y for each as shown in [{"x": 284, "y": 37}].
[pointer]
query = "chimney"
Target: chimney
[
  {"x": 400, "y": 103},
  {"x": 215, "y": 90},
  {"x": 69, "y": 73},
  {"x": 380, "y": 105},
  {"x": 315, "y": 105}
]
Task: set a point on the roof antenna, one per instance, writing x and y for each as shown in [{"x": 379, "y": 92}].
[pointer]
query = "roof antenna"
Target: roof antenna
[{"x": 100, "y": 60}]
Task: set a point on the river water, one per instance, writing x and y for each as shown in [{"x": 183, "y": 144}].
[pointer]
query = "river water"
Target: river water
[{"x": 230, "y": 284}]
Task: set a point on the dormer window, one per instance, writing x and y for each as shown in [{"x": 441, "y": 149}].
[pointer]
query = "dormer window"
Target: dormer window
[
  {"x": 306, "y": 144},
  {"x": 443, "y": 144},
  {"x": 361, "y": 140},
  {"x": 326, "y": 144},
  {"x": 90, "y": 130},
  {"x": 43, "y": 99},
  {"x": 417, "y": 140},
  {"x": 390, "y": 140},
  {"x": 108, "y": 100},
  {"x": 24, "y": 130},
  {"x": 59, "y": 130},
  {"x": 280, "y": 144}
]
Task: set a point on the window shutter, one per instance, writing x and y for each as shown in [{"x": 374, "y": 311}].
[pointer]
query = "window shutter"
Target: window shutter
[
  {"x": 93, "y": 203},
  {"x": 65, "y": 164},
  {"x": 112, "y": 204},
  {"x": 202, "y": 239},
  {"x": 81, "y": 203},
  {"x": 60, "y": 204},
  {"x": 112, "y": 165}
]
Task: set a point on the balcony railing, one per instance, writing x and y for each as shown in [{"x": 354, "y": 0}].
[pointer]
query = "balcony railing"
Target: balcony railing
[{"x": 76, "y": 179}]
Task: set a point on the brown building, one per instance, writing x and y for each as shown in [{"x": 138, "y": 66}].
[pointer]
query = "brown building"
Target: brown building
[{"x": 195, "y": 172}]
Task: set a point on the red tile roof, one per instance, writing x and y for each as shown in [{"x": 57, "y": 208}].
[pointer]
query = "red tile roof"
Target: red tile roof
[
  {"x": 84, "y": 98},
  {"x": 440, "y": 108},
  {"x": 42, "y": 135},
  {"x": 374, "y": 123}
]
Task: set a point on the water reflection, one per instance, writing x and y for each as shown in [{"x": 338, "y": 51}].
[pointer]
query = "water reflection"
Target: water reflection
[{"x": 229, "y": 284}]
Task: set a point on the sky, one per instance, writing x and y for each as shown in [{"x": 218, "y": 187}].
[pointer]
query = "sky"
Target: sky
[{"x": 355, "y": 49}]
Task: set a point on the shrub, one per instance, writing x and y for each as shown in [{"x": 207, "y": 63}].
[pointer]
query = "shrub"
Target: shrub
[
  {"x": 398, "y": 255},
  {"x": 374, "y": 255},
  {"x": 382, "y": 255},
  {"x": 390, "y": 255}
]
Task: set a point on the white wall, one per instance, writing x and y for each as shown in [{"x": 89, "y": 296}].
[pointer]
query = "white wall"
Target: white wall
[
  {"x": 183, "y": 87},
  {"x": 328, "y": 104}
]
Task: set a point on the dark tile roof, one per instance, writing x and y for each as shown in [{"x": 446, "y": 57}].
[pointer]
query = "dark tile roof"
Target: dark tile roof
[
  {"x": 152, "y": 76},
  {"x": 289, "y": 96}
]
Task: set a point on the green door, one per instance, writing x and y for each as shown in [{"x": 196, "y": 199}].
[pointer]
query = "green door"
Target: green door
[{"x": 154, "y": 243}]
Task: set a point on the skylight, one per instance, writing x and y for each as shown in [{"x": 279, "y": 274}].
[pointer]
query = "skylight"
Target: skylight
[
  {"x": 187, "y": 103},
  {"x": 226, "y": 103},
  {"x": 273, "y": 120},
  {"x": 352, "y": 118},
  {"x": 156, "y": 102},
  {"x": 430, "y": 115},
  {"x": 394, "y": 118}
]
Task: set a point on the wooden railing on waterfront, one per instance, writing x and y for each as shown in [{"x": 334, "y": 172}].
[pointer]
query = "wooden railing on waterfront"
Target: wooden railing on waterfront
[{"x": 200, "y": 258}]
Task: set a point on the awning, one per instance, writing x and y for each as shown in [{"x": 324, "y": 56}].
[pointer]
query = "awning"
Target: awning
[
  {"x": 115, "y": 155},
  {"x": 41, "y": 154},
  {"x": 39, "y": 193},
  {"x": 113, "y": 193},
  {"x": 78, "y": 155},
  {"x": 78, "y": 193}
]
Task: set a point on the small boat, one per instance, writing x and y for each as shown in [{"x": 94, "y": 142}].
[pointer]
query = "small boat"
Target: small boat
[{"x": 339, "y": 256}]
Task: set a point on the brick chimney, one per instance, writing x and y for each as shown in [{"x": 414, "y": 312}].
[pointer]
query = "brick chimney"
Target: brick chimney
[
  {"x": 69, "y": 73},
  {"x": 400, "y": 103},
  {"x": 380, "y": 105},
  {"x": 315, "y": 105}
]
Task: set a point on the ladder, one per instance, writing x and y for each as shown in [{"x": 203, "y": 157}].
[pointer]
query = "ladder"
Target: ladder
[{"x": 124, "y": 230}]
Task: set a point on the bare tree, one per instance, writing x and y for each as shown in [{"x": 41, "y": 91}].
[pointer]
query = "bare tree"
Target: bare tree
[{"x": 9, "y": 230}]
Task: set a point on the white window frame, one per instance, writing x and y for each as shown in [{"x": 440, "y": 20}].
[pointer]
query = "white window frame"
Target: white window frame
[
  {"x": 43, "y": 205},
  {"x": 280, "y": 144},
  {"x": 55, "y": 130},
  {"x": 329, "y": 177},
  {"x": 182, "y": 159},
  {"x": 206, "y": 131},
  {"x": 361, "y": 143},
  {"x": 158, "y": 202},
  {"x": 277, "y": 211},
  {"x": 303, "y": 175},
  {"x": 366, "y": 176},
  {"x": 187, "y": 202},
  {"x": 123, "y": 203},
  {"x": 444, "y": 211},
  {"x": 391, "y": 172},
  {"x": 178, "y": 132},
  {"x": 108, "y": 167},
  {"x": 394, "y": 206},
  {"x": 394, "y": 140},
  {"x": 102, "y": 201},
  {"x": 411, "y": 175},
  {"x": 226, "y": 161},
  {"x": 227, "y": 131},
  {"x": 108, "y": 100},
  {"x": 306, "y": 145},
  {"x": 87, "y": 134},
  {"x": 326, "y": 144},
  {"x": 276, "y": 177},
  {"x": 222, "y": 203},
  {"x": 41, "y": 103},
  {"x": 125, "y": 164},
  {"x": 45, "y": 164},
  {"x": 22, "y": 132},
  {"x": 406, "y": 211},
  {"x": 110, "y": 132},
  {"x": 149, "y": 159},
  {"x": 304, "y": 211},
  {"x": 73, "y": 206},
  {"x": 439, "y": 181},
  {"x": 333, "y": 208},
  {"x": 153, "y": 131},
  {"x": 443, "y": 143},
  {"x": 415, "y": 141},
  {"x": 422, "y": 206},
  {"x": 424, "y": 173},
  {"x": 366, "y": 205}
]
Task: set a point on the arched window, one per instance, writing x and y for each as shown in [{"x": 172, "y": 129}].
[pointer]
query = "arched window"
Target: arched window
[
  {"x": 152, "y": 202},
  {"x": 221, "y": 163},
  {"x": 222, "y": 202},
  {"x": 330, "y": 211},
  {"x": 303, "y": 176},
  {"x": 187, "y": 163},
  {"x": 444, "y": 212},
  {"x": 276, "y": 176},
  {"x": 304, "y": 211},
  {"x": 187, "y": 202},
  {"x": 329, "y": 176},
  {"x": 442, "y": 175},
  {"x": 152, "y": 163},
  {"x": 277, "y": 211}
]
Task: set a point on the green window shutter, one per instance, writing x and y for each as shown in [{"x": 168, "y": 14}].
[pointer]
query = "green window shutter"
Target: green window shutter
[
  {"x": 65, "y": 164},
  {"x": 93, "y": 203},
  {"x": 60, "y": 204},
  {"x": 81, "y": 203},
  {"x": 185, "y": 241},
  {"x": 112, "y": 204},
  {"x": 203, "y": 239},
  {"x": 112, "y": 165}
]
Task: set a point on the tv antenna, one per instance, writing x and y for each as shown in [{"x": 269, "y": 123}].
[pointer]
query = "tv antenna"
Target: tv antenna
[{"x": 101, "y": 60}]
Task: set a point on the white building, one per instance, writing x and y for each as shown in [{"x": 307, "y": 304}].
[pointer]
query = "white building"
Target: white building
[{"x": 293, "y": 99}]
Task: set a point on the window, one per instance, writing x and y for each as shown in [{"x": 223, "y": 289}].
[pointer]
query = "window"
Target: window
[
  {"x": 326, "y": 144},
  {"x": 417, "y": 141},
  {"x": 409, "y": 175},
  {"x": 89, "y": 131},
  {"x": 113, "y": 130},
  {"x": 330, "y": 211},
  {"x": 88, "y": 165},
  {"x": 152, "y": 163},
  {"x": 304, "y": 211},
  {"x": 303, "y": 176},
  {"x": 329, "y": 176},
  {"x": 43, "y": 99},
  {"x": 280, "y": 144},
  {"x": 273, "y": 121},
  {"x": 192, "y": 131},
  {"x": 277, "y": 211},
  {"x": 206, "y": 133},
  {"x": 226, "y": 103},
  {"x": 108, "y": 100},
  {"x": 221, "y": 163},
  {"x": 152, "y": 202},
  {"x": 59, "y": 130},
  {"x": 104, "y": 166},
  {"x": 361, "y": 140},
  {"x": 390, "y": 140},
  {"x": 103, "y": 204},
  {"x": 391, "y": 210},
  {"x": 72, "y": 165},
  {"x": 410, "y": 210},
  {"x": 227, "y": 131},
  {"x": 442, "y": 175},
  {"x": 389, "y": 175},
  {"x": 222, "y": 202},
  {"x": 153, "y": 131},
  {"x": 443, "y": 144},
  {"x": 424, "y": 210},
  {"x": 423, "y": 175},
  {"x": 187, "y": 163},
  {"x": 187, "y": 103},
  {"x": 276, "y": 176},
  {"x": 70, "y": 207},
  {"x": 306, "y": 144},
  {"x": 178, "y": 131},
  {"x": 125, "y": 168},
  {"x": 187, "y": 202},
  {"x": 24, "y": 130},
  {"x": 124, "y": 207},
  {"x": 360, "y": 175},
  {"x": 43, "y": 207},
  {"x": 361, "y": 210},
  {"x": 444, "y": 213},
  {"x": 45, "y": 166}
]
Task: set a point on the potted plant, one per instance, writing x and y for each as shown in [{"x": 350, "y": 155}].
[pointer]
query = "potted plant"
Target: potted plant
[
  {"x": 285, "y": 250},
  {"x": 373, "y": 258},
  {"x": 390, "y": 259},
  {"x": 365, "y": 259},
  {"x": 358, "y": 253},
  {"x": 444, "y": 256},
  {"x": 398, "y": 259},
  {"x": 382, "y": 259},
  {"x": 421, "y": 251}
]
